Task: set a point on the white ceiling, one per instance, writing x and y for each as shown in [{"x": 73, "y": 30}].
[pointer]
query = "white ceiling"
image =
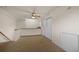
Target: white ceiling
[{"x": 21, "y": 12}]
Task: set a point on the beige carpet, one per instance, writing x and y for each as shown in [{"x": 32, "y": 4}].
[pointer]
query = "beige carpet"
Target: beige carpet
[{"x": 31, "y": 44}]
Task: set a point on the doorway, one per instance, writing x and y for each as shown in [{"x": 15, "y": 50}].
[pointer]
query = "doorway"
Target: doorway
[{"x": 47, "y": 27}]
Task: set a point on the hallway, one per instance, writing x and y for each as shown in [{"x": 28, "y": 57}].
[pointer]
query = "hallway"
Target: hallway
[
  {"x": 24, "y": 25},
  {"x": 36, "y": 43}
]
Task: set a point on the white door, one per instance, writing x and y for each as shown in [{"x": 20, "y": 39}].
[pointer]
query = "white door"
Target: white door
[{"x": 47, "y": 27}]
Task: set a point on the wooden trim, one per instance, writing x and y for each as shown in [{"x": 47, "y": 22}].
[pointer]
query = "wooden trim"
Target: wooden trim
[{"x": 4, "y": 35}]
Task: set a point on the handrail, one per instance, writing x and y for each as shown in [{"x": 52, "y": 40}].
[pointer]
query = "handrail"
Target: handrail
[{"x": 4, "y": 35}]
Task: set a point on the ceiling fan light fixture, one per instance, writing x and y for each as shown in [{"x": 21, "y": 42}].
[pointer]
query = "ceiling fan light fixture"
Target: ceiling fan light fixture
[
  {"x": 33, "y": 14},
  {"x": 33, "y": 17}
]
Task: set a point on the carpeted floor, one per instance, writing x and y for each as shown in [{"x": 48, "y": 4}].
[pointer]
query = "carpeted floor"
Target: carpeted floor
[{"x": 30, "y": 44}]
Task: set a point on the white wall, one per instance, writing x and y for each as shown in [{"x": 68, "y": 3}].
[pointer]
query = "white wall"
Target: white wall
[
  {"x": 32, "y": 23},
  {"x": 68, "y": 23},
  {"x": 29, "y": 26},
  {"x": 27, "y": 32},
  {"x": 43, "y": 26},
  {"x": 7, "y": 24},
  {"x": 28, "y": 23}
]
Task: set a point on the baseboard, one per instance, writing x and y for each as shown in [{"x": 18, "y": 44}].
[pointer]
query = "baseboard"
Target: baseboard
[{"x": 59, "y": 46}]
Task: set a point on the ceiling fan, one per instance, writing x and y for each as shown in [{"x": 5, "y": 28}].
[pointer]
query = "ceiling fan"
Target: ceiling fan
[{"x": 35, "y": 15}]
